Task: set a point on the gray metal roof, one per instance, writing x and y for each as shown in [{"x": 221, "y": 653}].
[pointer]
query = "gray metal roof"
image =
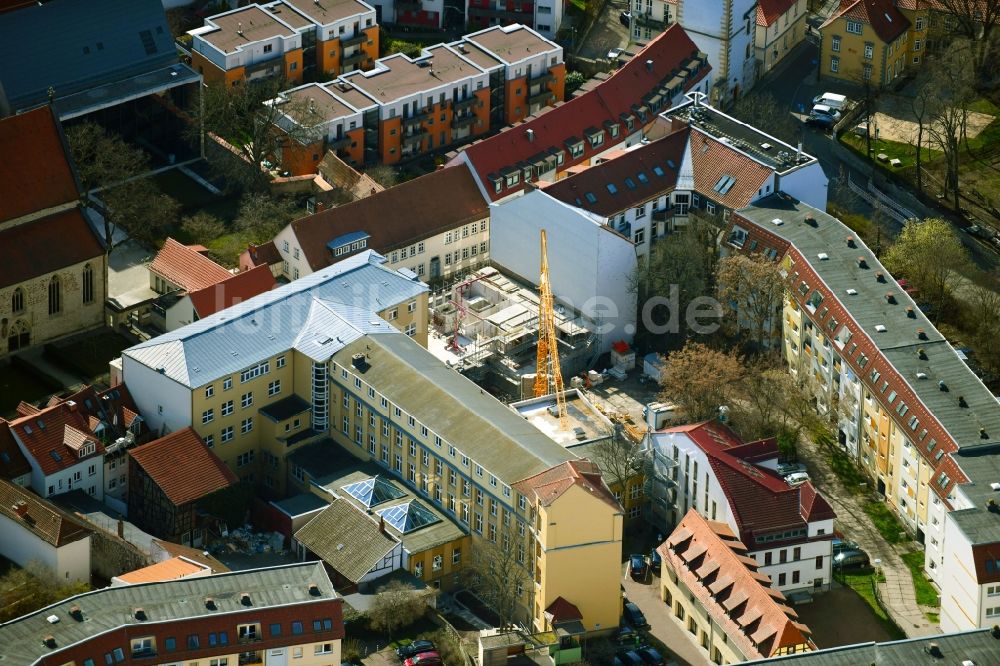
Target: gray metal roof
[
  {"x": 980, "y": 647},
  {"x": 982, "y": 466},
  {"x": 74, "y": 45},
  {"x": 113, "y": 607},
  {"x": 300, "y": 504},
  {"x": 869, "y": 307},
  {"x": 461, "y": 413},
  {"x": 316, "y": 315}
]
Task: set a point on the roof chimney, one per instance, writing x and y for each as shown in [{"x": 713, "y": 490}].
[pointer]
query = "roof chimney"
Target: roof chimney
[
  {"x": 798, "y": 152},
  {"x": 962, "y": 402},
  {"x": 531, "y": 134},
  {"x": 381, "y": 525},
  {"x": 210, "y": 603},
  {"x": 239, "y": 28},
  {"x": 76, "y": 613},
  {"x": 140, "y": 614},
  {"x": 934, "y": 650},
  {"x": 49, "y": 641},
  {"x": 20, "y": 508},
  {"x": 313, "y": 590},
  {"x": 359, "y": 362},
  {"x": 649, "y": 65},
  {"x": 245, "y": 599},
  {"x": 121, "y": 528},
  {"x": 71, "y": 405}
]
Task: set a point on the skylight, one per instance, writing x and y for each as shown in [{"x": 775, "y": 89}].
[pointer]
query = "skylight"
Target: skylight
[
  {"x": 725, "y": 184},
  {"x": 642, "y": 177},
  {"x": 612, "y": 188},
  {"x": 630, "y": 183},
  {"x": 590, "y": 197},
  {"x": 373, "y": 491},
  {"x": 408, "y": 517},
  {"x": 658, "y": 171}
]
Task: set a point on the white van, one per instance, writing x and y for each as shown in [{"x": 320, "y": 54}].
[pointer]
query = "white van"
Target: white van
[{"x": 832, "y": 100}]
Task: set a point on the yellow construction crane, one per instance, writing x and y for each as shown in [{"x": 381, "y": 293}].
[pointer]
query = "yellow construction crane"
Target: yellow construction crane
[{"x": 548, "y": 375}]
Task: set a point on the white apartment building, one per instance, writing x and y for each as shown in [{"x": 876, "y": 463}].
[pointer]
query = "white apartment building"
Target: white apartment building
[
  {"x": 725, "y": 30},
  {"x": 650, "y": 17},
  {"x": 706, "y": 467}
]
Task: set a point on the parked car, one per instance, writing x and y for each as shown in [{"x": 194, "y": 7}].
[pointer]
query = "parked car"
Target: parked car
[
  {"x": 832, "y": 100},
  {"x": 414, "y": 648},
  {"x": 824, "y": 110},
  {"x": 854, "y": 558},
  {"x": 650, "y": 656},
  {"x": 424, "y": 659},
  {"x": 637, "y": 566},
  {"x": 797, "y": 479},
  {"x": 823, "y": 122},
  {"x": 614, "y": 54},
  {"x": 784, "y": 469},
  {"x": 655, "y": 561},
  {"x": 840, "y": 545},
  {"x": 628, "y": 658},
  {"x": 625, "y": 18},
  {"x": 634, "y": 616},
  {"x": 625, "y": 634}
]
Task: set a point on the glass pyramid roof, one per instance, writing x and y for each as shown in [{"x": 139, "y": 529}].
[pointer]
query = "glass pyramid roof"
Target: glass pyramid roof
[
  {"x": 408, "y": 517},
  {"x": 373, "y": 491}
]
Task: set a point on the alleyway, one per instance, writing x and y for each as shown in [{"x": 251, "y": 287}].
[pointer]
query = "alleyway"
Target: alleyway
[{"x": 897, "y": 591}]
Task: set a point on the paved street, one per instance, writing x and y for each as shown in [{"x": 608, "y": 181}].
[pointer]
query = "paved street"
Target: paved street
[
  {"x": 897, "y": 591},
  {"x": 608, "y": 32},
  {"x": 662, "y": 623}
]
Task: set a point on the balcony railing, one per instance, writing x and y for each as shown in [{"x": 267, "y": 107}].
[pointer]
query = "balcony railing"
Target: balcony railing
[
  {"x": 251, "y": 658},
  {"x": 413, "y": 140},
  {"x": 543, "y": 78},
  {"x": 543, "y": 97},
  {"x": 458, "y": 122},
  {"x": 469, "y": 103},
  {"x": 413, "y": 122},
  {"x": 359, "y": 38},
  {"x": 487, "y": 12},
  {"x": 356, "y": 58},
  {"x": 648, "y": 21}
]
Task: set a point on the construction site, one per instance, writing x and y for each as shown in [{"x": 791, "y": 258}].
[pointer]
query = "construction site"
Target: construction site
[{"x": 487, "y": 326}]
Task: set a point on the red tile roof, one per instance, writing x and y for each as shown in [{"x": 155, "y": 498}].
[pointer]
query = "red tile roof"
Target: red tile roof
[
  {"x": 769, "y": 11},
  {"x": 38, "y": 516},
  {"x": 172, "y": 569},
  {"x": 260, "y": 255},
  {"x": 561, "y": 610},
  {"x": 232, "y": 290},
  {"x": 44, "y": 435},
  {"x": 186, "y": 267},
  {"x": 183, "y": 467},
  {"x": 882, "y": 15},
  {"x": 761, "y": 501},
  {"x": 595, "y": 180},
  {"x": 402, "y": 215},
  {"x": 12, "y": 461},
  {"x": 28, "y": 251},
  {"x": 715, "y": 567},
  {"x": 711, "y": 160},
  {"x": 613, "y": 97},
  {"x": 550, "y": 485},
  {"x": 35, "y": 173}
]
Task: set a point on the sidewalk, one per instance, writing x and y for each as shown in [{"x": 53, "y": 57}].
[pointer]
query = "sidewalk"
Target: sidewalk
[{"x": 896, "y": 592}]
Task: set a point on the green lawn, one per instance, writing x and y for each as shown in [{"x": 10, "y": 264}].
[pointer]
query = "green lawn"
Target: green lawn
[
  {"x": 863, "y": 584},
  {"x": 904, "y": 152},
  {"x": 927, "y": 595},
  {"x": 885, "y": 522},
  {"x": 847, "y": 472}
]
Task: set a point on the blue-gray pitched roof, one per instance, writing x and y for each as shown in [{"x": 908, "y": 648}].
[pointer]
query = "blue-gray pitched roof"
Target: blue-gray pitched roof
[
  {"x": 74, "y": 45},
  {"x": 317, "y": 315}
]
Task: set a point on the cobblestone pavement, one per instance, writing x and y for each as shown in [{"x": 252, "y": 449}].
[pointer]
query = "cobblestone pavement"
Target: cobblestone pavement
[
  {"x": 662, "y": 623},
  {"x": 897, "y": 591}
]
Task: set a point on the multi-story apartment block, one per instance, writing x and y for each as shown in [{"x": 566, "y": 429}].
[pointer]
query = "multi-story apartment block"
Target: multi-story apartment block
[
  {"x": 725, "y": 30},
  {"x": 707, "y": 468},
  {"x": 918, "y": 421},
  {"x": 293, "y": 40},
  {"x": 716, "y": 591},
  {"x": 325, "y": 360},
  {"x": 611, "y": 116},
  {"x": 781, "y": 26},
  {"x": 865, "y": 42},
  {"x": 705, "y": 163},
  {"x": 404, "y": 107},
  {"x": 445, "y": 229},
  {"x": 280, "y": 615},
  {"x": 47, "y": 290},
  {"x": 231, "y": 375}
]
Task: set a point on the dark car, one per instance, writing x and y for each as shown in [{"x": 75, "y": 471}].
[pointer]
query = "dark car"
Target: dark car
[
  {"x": 625, "y": 18},
  {"x": 650, "y": 656},
  {"x": 416, "y": 647},
  {"x": 634, "y": 616},
  {"x": 637, "y": 566},
  {"x": 851, "y": 559},
  {"x": 840, "y": 545},
  {"x": 824, "y": 122},
  {"x": 655, "y": 561},
  {"x": 628, "y": 658},
  {"x": 625, "y": 634}
]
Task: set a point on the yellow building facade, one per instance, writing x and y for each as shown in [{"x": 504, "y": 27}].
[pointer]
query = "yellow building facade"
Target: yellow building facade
[{"x": 865, "y": 43}]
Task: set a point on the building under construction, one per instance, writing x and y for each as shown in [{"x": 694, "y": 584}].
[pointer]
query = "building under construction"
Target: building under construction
[{"x": 486, "y": 326}]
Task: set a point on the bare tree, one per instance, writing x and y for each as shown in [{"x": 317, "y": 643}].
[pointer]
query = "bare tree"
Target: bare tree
[
  {"x": 615, "y": 455},
  {"x": 699, "y": 380},
  {"x": 923, "y": 106},
  {"x": 396, "y": 605},
  {"x": 975, "y": 21},
  {"x": 952, "y": 81},
  {"x": 752, "y": 290},
  {"x": 497, "y": 573},
  {"x": 258, "y": 122}
]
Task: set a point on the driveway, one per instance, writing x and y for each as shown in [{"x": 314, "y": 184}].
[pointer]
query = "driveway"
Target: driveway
[
  {"x": 608, "y": 33},
  {"x": 662, "y": 623},
  {"x": 897, "y": 591}
]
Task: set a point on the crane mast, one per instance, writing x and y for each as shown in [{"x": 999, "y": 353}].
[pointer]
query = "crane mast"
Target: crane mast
[{"x": 548, "y": 375}]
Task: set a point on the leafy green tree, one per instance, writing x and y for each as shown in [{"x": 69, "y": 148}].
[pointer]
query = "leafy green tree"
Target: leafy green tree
[{"x": 930, "y": 255}]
